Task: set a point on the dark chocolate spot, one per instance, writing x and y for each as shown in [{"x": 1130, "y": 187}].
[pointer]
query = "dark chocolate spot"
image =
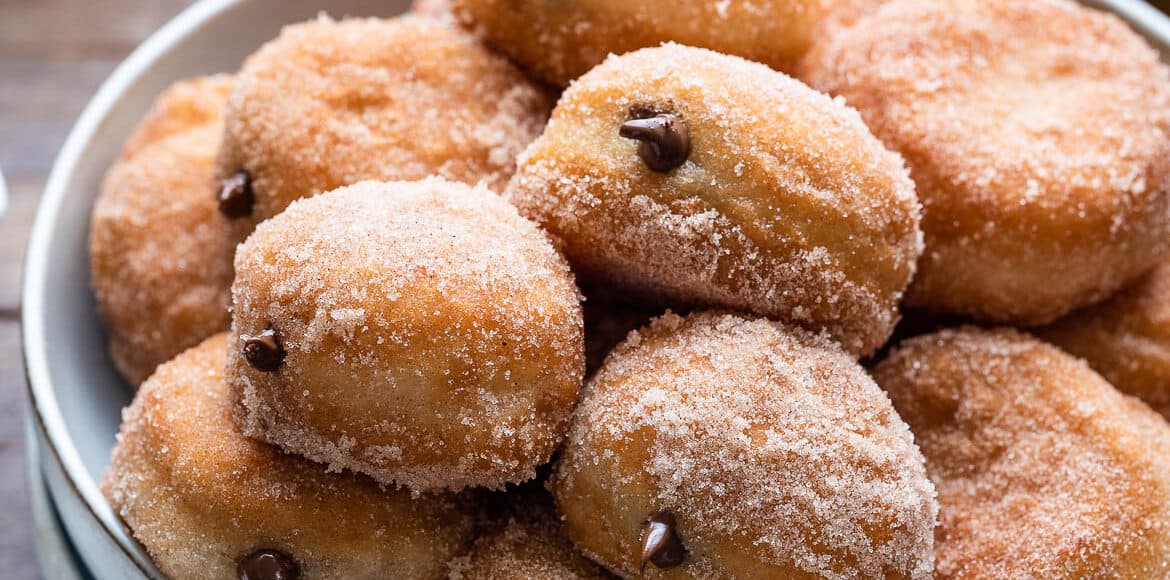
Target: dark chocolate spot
[
  {"x": 661, "y": 545},
  {"x": 664, "y": 142},
  {"x": 264, "y": 351},
  {"x": 235, "y": 195},
  {"x": 268, "y": 565}
]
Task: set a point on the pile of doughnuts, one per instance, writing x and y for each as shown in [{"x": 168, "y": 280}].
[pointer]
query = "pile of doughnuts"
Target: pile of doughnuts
[{"x": 589, "y": 289}]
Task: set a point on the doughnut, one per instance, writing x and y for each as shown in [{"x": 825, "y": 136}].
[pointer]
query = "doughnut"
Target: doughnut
[
  {"x": 1043, "y": 469},
  {"x": 681, "y": 174},
  {"x": 1038, "y": 134},
  {"x": 525, "y": 538},
  {"x": 208, "y": 502},
  {"x": 422, "y": 333},
  {"x": 561, "y": 40},
  {"x": 160, "y": 252},
  {"x": 715, "y": 446},
  {"x": 330, "y": 103},
  {"x": 1126, "y": 339}
]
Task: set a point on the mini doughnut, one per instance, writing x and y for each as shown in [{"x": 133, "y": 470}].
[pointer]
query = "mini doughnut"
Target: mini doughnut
[
  {"x": 419, "y": 332},
  {"x": 1038, "y": 133},
  {"x": 207, "y": 502},
  {"x": 686, "y": 175},
  {"x": 330, "y": 103},
  {"x": 717, "y": 447},
  {"x": 1126, "y": 338},
  {"x": 561, "y": 40},
  {"x": 1043, "y": 470},
  {"x": 160, "y": 252},
  {"x": 525, "y": 542}
]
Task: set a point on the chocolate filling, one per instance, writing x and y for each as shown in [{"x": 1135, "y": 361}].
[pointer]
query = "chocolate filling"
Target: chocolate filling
[
  {"x": 235, "y": 195},
  {"x": 268, "y": 565},
  {"x": 661, "y": 545},
  {"x": 664, "y": 141},
  {"x": 264, "y": 351}
]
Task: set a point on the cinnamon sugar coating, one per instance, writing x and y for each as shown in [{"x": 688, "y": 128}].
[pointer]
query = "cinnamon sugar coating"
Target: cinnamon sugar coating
[
  {"x": 1038, "y": 133},
  {"x": 199, "y": 495},
  {"x": 559, "y": 41},
  {"x": 1043, "y": 469},
  {"x": 432, "y": 337},
  {"x": 330, "y": 103},
  {"x": 1126, "y": 338},
  {"x": 786, "y": 206},
  {"x": 160, "y": 252},
  {"x": 773, "y": 450}
]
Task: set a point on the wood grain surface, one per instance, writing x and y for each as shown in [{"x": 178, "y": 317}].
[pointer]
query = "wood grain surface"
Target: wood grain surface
[{"x": 53, "y": 56}]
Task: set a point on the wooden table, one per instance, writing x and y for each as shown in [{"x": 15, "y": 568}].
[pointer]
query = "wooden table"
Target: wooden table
[{"x": 53, "y": 56}]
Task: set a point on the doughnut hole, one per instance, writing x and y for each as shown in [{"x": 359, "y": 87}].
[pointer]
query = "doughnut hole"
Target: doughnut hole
[
  {"x": 772, "y": 449},
  {"x": 200, "y": 496},
  {"x": 431, "y": 336}
]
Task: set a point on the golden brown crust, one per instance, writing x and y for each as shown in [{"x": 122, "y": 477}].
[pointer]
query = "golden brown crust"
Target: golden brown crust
[
  {"x": 199, "y": 495},
  {"x": 775, "y": 452},
  {"x": 787, "y": 206},
  {"x": 160, "y": 252},
  {"x": 1126, "y": 338},
  {"x": 559, "y": 41},
  {"x": 433, "y": 336},
  {"x": 1036, "y": 131},
  {"x": 330, "y": 103},
  {"x": 1043, "y": 470}
]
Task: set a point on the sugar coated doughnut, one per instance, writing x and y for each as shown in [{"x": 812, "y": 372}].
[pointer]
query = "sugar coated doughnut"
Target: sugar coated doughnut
[
  {"x": 1126, "y": 339},
  {"x": 420, "y": 332},
  {"x": 561, "y": 40},
  {"x": 677, "y": 172},
  {"x": 525, "y": 541},
  {"x": 1038, "y": 133},
  {"x": 160, "y": 252},
  {"x": 207, "y": 502},
  {"x": 718, "y": 447},
  {"x": 1043, "y": 470},
  {"x": 330, "y": 103}
]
